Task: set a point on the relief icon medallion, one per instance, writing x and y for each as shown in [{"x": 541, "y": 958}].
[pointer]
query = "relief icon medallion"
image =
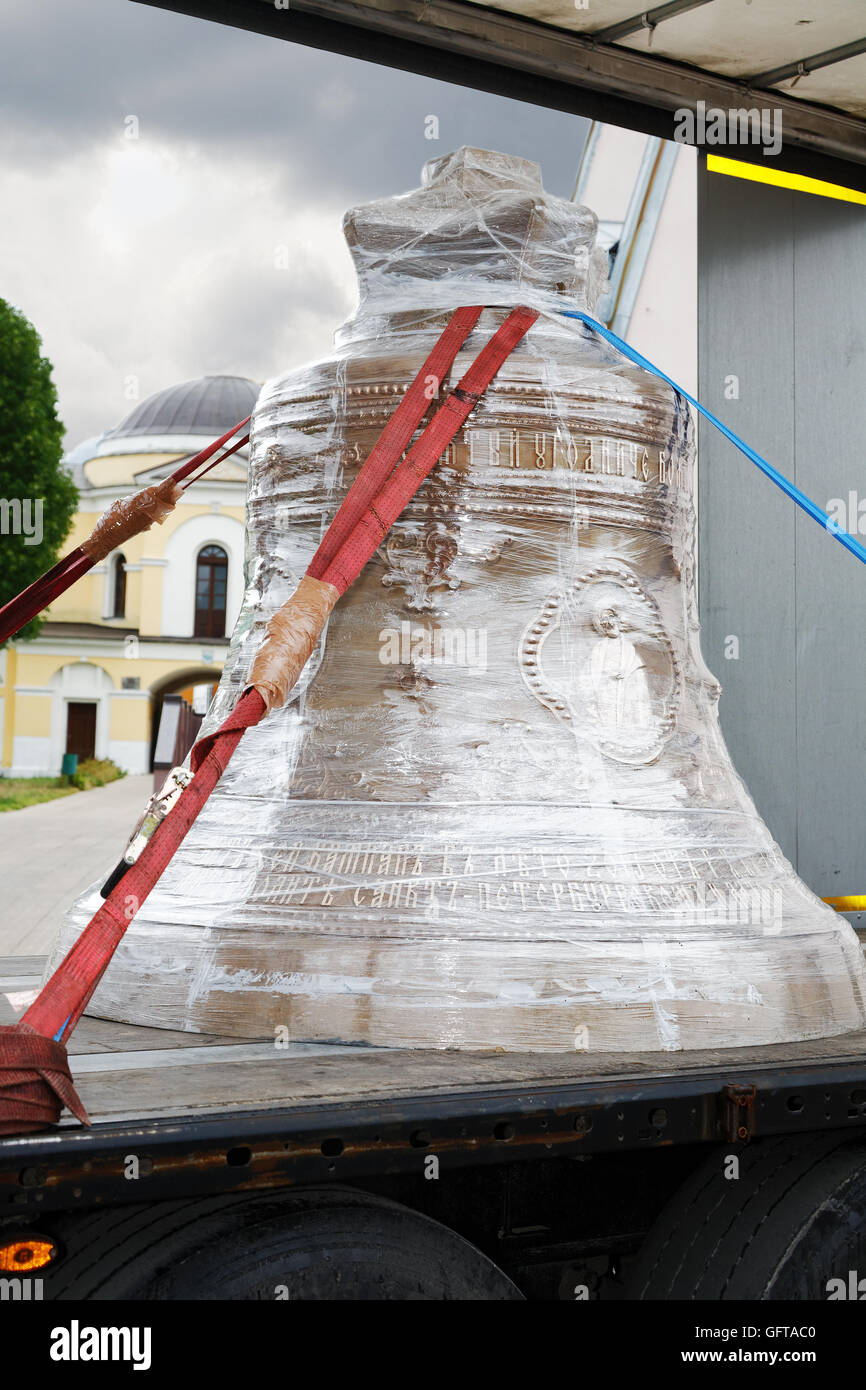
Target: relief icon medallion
[{"x": 598, "y": 657}]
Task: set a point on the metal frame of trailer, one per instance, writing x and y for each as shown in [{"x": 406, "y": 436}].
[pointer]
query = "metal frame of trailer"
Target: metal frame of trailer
[
  {"x": 215, "y": 1115},
  {"x": 552, "y": 1168},
  {"x": 351, "y": 1140},
  {"x": 507, "y": 54}
]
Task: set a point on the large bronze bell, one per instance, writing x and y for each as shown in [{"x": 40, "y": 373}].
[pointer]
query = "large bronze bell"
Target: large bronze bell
[{"x": 498, "y": 811}]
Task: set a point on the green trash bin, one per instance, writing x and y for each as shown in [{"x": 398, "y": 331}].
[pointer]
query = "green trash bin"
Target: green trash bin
[{"x": 69, "y": 766}]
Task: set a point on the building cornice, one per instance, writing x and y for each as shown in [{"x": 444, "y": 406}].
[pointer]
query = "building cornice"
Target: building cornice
[
  {"x": 225, "y": 492},
  {"x": 180, "y": 444},
  {"x": 160, "y": 648}
]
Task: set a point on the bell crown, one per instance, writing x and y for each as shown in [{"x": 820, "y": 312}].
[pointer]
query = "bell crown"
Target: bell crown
[{"x": 480, "y": 229}]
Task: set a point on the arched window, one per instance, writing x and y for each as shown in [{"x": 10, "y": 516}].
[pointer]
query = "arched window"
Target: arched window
[
  {"x": 211, "y": 575},
  {"x": 118, "y": 597}
]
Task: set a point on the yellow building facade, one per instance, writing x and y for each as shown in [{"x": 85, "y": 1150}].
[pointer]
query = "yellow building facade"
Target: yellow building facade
[{"x": 150, "y": 621}]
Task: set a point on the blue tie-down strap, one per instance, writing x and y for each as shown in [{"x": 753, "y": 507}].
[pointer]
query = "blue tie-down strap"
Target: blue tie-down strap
[{"x": 790, "y": 489}]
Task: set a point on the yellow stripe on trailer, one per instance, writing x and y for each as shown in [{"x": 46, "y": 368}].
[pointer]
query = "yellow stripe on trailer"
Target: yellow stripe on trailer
[
  {"x": 780, "y": 178},
  {"x": 857, "y": 903}
]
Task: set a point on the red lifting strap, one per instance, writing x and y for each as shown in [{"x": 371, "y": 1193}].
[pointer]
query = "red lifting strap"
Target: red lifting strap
[
  {"x": 394, "y": 438},
  {"x": 35, "y": 1081},
  {"x": 70, "y": 568}
]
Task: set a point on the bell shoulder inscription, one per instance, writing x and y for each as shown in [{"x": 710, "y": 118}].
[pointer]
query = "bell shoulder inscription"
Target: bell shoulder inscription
[
  {"x": 522, "y": 447},
  {"x": 603, "y": 456}
]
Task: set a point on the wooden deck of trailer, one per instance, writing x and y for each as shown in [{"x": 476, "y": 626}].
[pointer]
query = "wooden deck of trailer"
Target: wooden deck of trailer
[{"x": 126, "y": 1072}]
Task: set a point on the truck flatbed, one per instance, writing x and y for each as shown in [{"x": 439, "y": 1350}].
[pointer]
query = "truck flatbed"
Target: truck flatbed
[{"x": 218, "y": 1114}]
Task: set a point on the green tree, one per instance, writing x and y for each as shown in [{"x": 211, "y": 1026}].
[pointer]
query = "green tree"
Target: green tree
[{"x": 37, "y": 496}]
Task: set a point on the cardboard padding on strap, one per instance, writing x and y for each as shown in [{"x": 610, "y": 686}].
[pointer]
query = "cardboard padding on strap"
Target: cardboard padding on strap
[
  {"x": 128, "y": 516},
  {"x": 292, "y": 634}
]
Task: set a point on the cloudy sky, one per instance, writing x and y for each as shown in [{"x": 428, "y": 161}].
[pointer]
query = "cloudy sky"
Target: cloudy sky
[{"x": 212, "y": 241}]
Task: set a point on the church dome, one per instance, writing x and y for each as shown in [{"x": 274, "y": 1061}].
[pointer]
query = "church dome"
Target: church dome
[{"x": 207, "y": 405}]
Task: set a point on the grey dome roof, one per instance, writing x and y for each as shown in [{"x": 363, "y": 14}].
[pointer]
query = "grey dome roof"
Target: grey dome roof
[{"x": 207, "y": 405}]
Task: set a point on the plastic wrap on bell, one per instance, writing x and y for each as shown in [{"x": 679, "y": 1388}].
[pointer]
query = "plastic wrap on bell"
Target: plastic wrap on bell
[{"x": 497, "y": 810}]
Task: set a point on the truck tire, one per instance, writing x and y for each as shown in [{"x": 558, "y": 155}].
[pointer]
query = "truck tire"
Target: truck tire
[
  {"x": 315, "y": 1244},
  {"x": 793, "y": 1220}
]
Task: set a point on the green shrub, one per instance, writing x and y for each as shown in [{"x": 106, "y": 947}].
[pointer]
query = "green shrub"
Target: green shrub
[{"x": 95, "y": 772}]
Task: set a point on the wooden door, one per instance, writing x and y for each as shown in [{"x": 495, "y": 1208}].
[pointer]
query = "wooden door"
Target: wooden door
[{"x": 81, "y": 729}]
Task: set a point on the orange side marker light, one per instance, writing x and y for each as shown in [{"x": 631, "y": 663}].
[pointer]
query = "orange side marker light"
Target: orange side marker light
[{"x": 26, "y": 1253}]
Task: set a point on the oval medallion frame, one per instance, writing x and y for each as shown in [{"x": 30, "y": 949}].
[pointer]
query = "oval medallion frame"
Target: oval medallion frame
[{"x": 615, "y": 681}]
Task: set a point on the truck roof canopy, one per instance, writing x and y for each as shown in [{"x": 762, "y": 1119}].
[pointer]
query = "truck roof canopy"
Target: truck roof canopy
[{"x": 610, "y": 61}]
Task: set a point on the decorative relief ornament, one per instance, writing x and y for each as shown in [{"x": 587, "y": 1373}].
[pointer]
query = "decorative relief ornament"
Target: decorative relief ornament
[{"x": 614, "y": 676}]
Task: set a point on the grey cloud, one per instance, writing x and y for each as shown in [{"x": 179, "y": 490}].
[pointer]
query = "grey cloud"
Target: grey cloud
[
  {"x": 316, "y": 131},
  {"x": 72, "y": 71}
]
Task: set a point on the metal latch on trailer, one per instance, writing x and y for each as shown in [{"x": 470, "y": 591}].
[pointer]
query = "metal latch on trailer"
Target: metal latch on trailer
[{"x": 738, "y": 1112}]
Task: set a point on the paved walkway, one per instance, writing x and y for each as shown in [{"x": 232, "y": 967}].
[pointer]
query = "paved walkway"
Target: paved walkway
[{"x": 51, "y": 852}]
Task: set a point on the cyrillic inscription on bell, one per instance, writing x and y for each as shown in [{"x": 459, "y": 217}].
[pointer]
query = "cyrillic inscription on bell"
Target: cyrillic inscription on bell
[{"x": 497, "y": 811}]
